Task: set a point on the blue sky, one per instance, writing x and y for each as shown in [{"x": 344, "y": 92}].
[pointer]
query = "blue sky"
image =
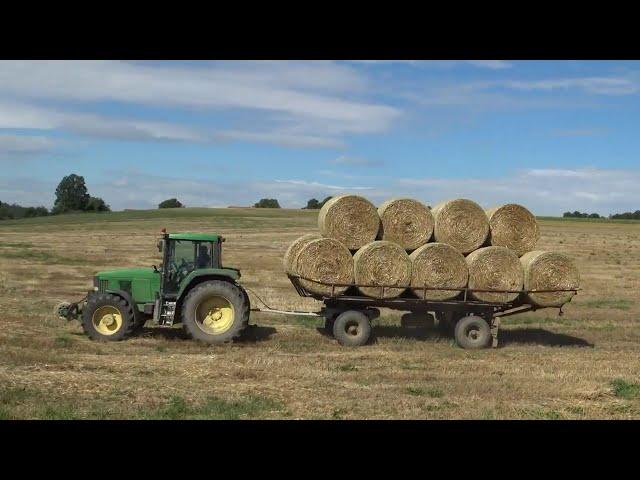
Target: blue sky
[{"x": 552, "y": 135}]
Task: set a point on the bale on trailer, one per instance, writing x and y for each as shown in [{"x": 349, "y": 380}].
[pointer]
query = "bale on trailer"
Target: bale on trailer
[
  {"x": 438, "y": 265},
  {"x": 382, "y": 263},
  {"x": 293, "y": 250},
  {"x": 549, "y": 271},
  {"x": 406, "y": 222},
  {"x": 495, "y": 268},
  {"x": 350, "y": 219},
  {"x": 324, "y": 260},
  {"x": 514, "y": 227},
  {"x": 461, "y": 223}
]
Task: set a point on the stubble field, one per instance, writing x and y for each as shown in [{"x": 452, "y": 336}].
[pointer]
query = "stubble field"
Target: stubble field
[{"x": 585, "y": 364}]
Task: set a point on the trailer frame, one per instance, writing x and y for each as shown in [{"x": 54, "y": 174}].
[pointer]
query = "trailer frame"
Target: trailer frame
[{"x": 447, "y": 311}]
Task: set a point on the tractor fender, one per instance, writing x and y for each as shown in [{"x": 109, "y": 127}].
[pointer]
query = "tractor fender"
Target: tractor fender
[
  {"x": 204, "y": 274},
  {"x": 129, "y": 299}
]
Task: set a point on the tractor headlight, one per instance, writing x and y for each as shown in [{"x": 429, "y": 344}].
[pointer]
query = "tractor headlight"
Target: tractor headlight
[{"x": 96, "y": 283}]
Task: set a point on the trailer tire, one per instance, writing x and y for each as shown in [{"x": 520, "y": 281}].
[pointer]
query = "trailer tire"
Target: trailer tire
[
  {"x": 352, "y": 328},
  {"x": 472, "y": 333}
]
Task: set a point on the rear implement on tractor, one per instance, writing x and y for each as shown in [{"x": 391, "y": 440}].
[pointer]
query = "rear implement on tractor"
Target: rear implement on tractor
[{"x": 190, "y": 287}]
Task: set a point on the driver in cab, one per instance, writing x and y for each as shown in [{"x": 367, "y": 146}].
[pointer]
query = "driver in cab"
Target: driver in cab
[{"x": 204, "y": 259}]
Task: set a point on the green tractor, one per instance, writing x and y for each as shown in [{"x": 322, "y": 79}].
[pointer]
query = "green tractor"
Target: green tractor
[{"x": 190, "y": 287}]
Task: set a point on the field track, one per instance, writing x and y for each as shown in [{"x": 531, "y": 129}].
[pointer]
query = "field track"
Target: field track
[{"x": 585, "y": 364}]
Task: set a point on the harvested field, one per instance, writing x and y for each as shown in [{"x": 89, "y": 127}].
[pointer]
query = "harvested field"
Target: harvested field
[{"x": 584, "y": 364}]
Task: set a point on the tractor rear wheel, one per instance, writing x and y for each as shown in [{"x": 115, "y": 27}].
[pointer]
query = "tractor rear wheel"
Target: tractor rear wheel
[
  {"x": 107, "y": 317},
  {"x": 215, "y": 311}
]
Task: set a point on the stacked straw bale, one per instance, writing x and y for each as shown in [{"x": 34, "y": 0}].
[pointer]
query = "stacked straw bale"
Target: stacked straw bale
[
  {"x": 461, "y": 223},
  {"x": 438, "y": 265},
  {"x": 324, "y": 260},
  {"x": 382, "y": 263},
  {"x": 406, "y": 222},
  {"x": 292, "y": 252},
  {"x": 549, "y": 271},
  {"x": 514, "y": 227},
  {"x": 350, "y": 219},
  {"x": 498, "y": 245},
  {"x": 495, "y": 268}
]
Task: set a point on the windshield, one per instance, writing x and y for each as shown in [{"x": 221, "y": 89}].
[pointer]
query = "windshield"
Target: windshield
[{"x": 184, "y": 257}]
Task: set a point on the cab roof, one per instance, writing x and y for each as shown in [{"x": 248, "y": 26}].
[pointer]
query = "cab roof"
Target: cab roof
[{"x": 195, "y": 237}]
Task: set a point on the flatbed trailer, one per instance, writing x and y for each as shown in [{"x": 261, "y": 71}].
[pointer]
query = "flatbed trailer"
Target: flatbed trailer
[{"x": 475, "y": 324}]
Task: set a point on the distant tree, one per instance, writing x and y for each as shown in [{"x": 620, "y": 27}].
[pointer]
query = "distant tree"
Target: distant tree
[
  {"x": 15, "y": 211},
  {"x": 326, "y": 199},
  {"x": 171, "y": 203},
  {"x": 267, "y": 203},
  {"x": 312, "y": 204},
  {"x": 31, "y": 212},
  {"x": 71, "y": 195},
  {"x": 594, "y": 215},
  {"x": 626, "y": 215},
  {"x": 96, "y": 204}
]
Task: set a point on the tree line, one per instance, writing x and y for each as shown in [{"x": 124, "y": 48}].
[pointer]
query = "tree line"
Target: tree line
[
  {"x": 72, "y": 196},
  {"x": 312, "y": 204},
  {"x": 616, "y": 216}
]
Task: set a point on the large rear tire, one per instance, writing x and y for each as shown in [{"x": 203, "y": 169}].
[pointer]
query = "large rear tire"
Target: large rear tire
[
  {"x": 215, "y": 311},
  {"x": 107, "y": 317}
]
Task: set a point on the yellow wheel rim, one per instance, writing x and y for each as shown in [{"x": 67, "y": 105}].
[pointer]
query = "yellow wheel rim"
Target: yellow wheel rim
[
  {"x": 215, "y": 315},
  {"x": 107, "y": 320}
]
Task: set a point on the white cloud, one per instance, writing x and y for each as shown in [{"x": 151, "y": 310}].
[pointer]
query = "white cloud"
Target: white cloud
[
  {"x": 21, "y": 145},
  {"x": 13, "y": 115},
  {"x": 305, "y": 183},
  {"x": 485, "y": 64},
  {"x": 544, "y": 191},
  {"x": 301, "y": 91},
  {"x": 595, "y": 85},
  {"x": 355, "y": 161}
]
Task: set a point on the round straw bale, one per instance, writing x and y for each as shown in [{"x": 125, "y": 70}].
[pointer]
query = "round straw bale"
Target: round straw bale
[
  {"x": 438, "y": 265},
  {"x": 461, "y": 223},
  {"x": 324, "y": 260},
  {"x": 514, "y": 227},
  {"x": 406, "y": 222},
  {"x": 294, "y": 249},
  {"x": 494, "y": 268},
  {"x": 350, "y": 219},
  {"x": 382, "y": 263},
  {"x": 549, "y": 271}
]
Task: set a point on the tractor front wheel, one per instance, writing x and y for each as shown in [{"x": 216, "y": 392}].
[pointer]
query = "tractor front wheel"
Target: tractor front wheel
[
  {"x": 107, "y": 317},
  {"x": 215, "y": 311}
]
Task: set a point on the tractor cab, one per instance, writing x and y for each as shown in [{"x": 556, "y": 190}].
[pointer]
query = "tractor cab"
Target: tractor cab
[{"x": 184, "y": 253}]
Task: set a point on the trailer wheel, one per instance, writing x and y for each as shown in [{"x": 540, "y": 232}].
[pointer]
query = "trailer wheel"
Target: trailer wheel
[
  {"x": 352, "y": 328},
  {"x": 472, "y": 332}
]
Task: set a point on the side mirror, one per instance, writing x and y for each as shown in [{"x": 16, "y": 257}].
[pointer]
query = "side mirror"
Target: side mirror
[{"x": 160, "y": 245}]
